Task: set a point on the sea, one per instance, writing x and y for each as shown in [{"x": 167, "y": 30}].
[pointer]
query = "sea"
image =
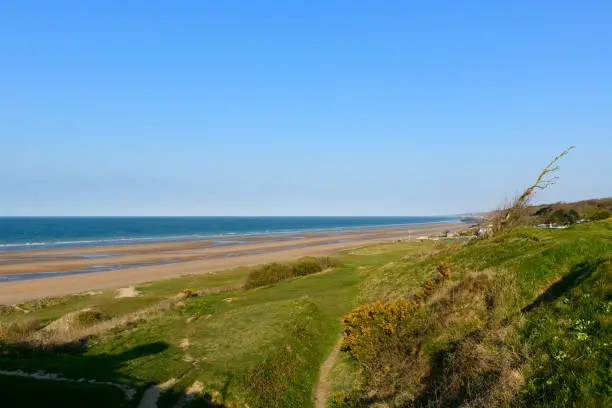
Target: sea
[{"x": 57, "y": 232}]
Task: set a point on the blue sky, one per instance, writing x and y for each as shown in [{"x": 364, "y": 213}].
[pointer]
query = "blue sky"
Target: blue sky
[{"x": 301, "y": 107}]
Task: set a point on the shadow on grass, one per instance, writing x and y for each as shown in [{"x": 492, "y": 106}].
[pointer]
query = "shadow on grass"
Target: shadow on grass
[
  {"x": 176, "y": 398},
  {"x": 70, "y": 364},
  {"x": 576, "y": 275}
]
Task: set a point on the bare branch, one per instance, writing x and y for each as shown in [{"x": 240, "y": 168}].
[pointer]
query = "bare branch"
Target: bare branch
[{"x": 510, "y": 215}]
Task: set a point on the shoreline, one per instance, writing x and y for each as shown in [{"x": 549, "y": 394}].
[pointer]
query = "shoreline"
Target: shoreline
[
  {"x": 55, "y": 272},
  {"x": 220, "y": 237}
]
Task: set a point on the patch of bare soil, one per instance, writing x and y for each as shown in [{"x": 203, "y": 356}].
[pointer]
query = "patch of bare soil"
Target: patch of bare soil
[{"x": 128, "y": 292}]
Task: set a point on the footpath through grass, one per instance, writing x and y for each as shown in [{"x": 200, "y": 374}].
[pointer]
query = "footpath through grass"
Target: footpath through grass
[{"x": 260, "y": 347}]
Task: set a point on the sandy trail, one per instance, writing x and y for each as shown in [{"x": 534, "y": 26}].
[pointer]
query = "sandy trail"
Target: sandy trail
[
  {"x": 323, "y": 388},
  {"x": 210, "y": 259}
]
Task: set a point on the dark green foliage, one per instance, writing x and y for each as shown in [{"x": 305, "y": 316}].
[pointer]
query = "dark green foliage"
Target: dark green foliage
[
  {"x": 543, "y": 211},
  {"x": 601, "y": 215},
  {"x": 306, "y": 267},
  {"x": 563, "y": 217},
  {"x": 585, "y": 209}
]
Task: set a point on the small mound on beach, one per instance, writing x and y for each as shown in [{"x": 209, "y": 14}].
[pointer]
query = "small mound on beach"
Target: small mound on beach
[{"x": 128, "y": 292}]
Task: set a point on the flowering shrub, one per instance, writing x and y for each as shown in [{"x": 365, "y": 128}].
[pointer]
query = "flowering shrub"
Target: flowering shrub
[
  {"x": 371, "y": 323},
  {"x": 369, "y": 326}
]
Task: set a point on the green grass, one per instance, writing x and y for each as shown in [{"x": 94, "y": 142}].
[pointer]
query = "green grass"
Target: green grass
[
  {"x": 569, "y": 340},
  {"x": 529, "y": 311},
  {"x": 234, "y": 336},
  {"x": 48, "y": 309}
]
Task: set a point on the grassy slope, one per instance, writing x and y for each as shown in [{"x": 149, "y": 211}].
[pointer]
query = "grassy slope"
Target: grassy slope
[
  {"x": 470, "y": 343},
  {"x": 234, "y": 337},
  {"x": 264, "y": 346},
  {"x": 280, "y": 333}
]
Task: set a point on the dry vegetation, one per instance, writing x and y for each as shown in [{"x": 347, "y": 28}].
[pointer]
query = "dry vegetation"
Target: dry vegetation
[
  {"x": 70, "y": 330},
  {"x": 512, "y": 213}
]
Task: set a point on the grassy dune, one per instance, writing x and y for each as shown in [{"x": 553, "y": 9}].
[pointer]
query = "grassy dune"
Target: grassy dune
[{"x": 522, "y": 320}]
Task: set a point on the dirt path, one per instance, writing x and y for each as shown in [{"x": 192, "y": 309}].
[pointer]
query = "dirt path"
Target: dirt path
[
  {"x": 151, "y": 395},
  {"x": 324, "y": 385}
]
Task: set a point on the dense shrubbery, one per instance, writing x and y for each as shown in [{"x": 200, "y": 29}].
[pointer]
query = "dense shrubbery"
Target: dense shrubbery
[
  {"x": 275, "y": 272},
  {"x": 561, "y": 216},
  {"x": 568, "y": 213},
  {"x": 601, "y": 215}
]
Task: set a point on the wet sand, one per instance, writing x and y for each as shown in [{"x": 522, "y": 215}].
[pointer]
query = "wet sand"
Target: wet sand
[{"x": 75, "y": 270}]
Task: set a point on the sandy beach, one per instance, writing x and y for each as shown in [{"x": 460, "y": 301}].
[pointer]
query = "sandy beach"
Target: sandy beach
[{"x": 74, "y": 270}]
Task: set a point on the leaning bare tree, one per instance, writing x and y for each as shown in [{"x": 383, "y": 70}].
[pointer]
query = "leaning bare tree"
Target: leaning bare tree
[{"x": 510, "y": 215}]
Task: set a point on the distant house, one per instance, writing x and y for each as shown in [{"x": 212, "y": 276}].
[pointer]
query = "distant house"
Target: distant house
[
  {"x": 484, "y": 231},
  {"x": 550, "y": 226}
]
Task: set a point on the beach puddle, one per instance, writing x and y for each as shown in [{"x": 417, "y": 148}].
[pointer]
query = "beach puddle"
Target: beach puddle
[{"x": 11, "y": 277}]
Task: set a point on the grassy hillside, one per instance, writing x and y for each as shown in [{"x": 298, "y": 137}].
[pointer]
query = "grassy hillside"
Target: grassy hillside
[
  {"x": 238, "y": 346},
  {"x": 522, "y": 319}
]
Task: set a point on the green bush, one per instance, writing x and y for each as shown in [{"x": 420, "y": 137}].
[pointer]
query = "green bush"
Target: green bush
[
  {"x": 601, "y": 215},
  {"x": 561, "y": 216},
  {"x": 326, "y": 262},
  {"x": 268, "y": 274},
  {"x": 306, "y": 267},
  {"x": 271, "y": 273}
]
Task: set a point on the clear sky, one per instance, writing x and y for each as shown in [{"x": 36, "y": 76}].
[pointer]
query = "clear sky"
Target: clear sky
[{"x": 299, "y": 107}]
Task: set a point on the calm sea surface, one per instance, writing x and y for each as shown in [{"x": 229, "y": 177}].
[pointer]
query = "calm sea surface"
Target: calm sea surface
[{"x": 37, "y": 232}]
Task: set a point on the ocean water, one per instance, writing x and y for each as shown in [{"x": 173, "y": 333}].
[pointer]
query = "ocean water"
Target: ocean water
[{"x": 37, "y": 232}]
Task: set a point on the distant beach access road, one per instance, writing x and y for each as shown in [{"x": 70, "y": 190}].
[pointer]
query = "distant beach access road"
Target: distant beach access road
[{"x": 32, "y": 274}]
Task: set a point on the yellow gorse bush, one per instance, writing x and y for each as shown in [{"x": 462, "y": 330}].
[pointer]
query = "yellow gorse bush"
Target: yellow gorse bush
[
  {"x": 371, "y": 324},
  {"x": 375, "y": 320}
]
